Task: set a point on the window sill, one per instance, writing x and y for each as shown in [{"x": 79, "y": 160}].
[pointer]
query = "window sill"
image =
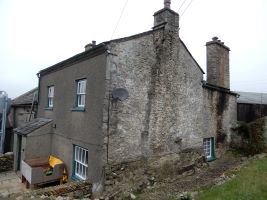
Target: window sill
[
  {"x": 48, "y": 108},
  {"x": 78, "y": 109},
  {"x": 76, "y": 178},
  {"x": 211, "y": 159}
]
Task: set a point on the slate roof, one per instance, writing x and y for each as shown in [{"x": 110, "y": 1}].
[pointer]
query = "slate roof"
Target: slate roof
[
  {"x": 26, "y": 98},
  {"x": 32, "y": 126},
  {"x": 252, "y": 98}
]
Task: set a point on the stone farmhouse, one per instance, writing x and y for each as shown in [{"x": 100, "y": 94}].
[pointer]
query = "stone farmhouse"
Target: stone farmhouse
[{"x": 138, "y": 97}]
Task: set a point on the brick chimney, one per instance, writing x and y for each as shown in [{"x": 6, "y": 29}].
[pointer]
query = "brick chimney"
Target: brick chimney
[
  {"x": 166, "y": 17},
  {"x": 218, "y": 63}
]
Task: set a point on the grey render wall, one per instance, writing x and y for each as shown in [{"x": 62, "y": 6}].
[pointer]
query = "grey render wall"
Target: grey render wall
[
  {"x": 72, "y": 127},
  {"x": 163, "y": 113},
  {"x": 37, "y": 144},
  {"x": 19, "y": 115}
]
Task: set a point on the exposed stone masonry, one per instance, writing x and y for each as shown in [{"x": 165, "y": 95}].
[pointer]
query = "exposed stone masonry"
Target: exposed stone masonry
[{"x": 218, "y": 63}]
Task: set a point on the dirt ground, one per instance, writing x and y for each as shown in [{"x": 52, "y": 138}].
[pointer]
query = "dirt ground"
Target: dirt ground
[
  {"x": 6, "y": 163},
  {"x": 214, "y": 173},
  {"x": 168, "y": 185},
  {"x": 140, "y": 184}
]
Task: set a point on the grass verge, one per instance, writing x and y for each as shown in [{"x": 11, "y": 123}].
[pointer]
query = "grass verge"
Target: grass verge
[{"x": 250, "y": 183}]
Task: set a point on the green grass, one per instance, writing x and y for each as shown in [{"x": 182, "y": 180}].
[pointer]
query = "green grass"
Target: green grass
[{"x": 250, "y": 183}]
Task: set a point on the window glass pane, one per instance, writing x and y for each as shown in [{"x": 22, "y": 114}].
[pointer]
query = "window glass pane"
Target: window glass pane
[
  {"x": 0, "y": 121},
  {"x": 76, "y": 153},
  {"x": 51, "y": 91},
  {"x": 80, "y": 155},
  {"x": 83, "y": 100},
  {"x": 79, "y": 88},
  {"x": 83, "y": 86},
  {"x": 79, "y": 100},
  {"x": 50, "y": 102},
  {"x": 82, "y": 171},
  {"x": 76, "y": 168},
  {"x": 86, "y": 157},
  {"x": 83, "y": 158}
]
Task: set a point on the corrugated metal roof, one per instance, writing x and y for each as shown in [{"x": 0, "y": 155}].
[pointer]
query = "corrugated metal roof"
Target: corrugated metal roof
[
  {"x": 32, "y": 126},
  {"x": 252, "y": 97},
  {"x": 26, "y": 98}
]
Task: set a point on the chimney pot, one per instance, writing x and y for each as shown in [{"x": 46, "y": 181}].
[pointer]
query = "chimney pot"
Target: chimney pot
[
  {"x": 90, "y": 45},
  {"x": 167, "y": 3}
]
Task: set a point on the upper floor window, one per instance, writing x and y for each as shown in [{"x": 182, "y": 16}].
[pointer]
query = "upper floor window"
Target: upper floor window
[
  {"x": 81, "y": 92},
  {"x": 50, "y": 96}
]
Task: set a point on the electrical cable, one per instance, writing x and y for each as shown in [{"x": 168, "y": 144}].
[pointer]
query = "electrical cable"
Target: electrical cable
[
  {"x": 181, "y": 5},
  {"x": 186, "y": 8},
  {"x": 119, "y": 19}
]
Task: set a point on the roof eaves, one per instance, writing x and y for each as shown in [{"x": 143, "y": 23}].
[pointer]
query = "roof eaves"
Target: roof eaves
[
  {"x": 32, "y": 126},
  {"x": 217, "y": 88},
  {"x": 97, "y": 50},
  {"x": 134, "y": 36},
  {"x": 25, "y": 98}
]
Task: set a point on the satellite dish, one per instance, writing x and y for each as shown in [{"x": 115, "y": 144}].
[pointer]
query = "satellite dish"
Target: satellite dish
[{"x": 120, "y": 94}]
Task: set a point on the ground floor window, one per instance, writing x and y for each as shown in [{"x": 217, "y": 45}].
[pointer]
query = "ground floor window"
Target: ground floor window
[
  {"x": 80, "y": 162},
  {"x": 208, "y": 145}
]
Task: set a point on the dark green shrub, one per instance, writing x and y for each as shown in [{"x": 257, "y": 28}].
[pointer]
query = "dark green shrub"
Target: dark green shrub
[{"x": 252, "y": 139}]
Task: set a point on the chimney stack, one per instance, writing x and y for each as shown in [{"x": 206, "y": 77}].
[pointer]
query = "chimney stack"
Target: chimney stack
[
  {"x": 90, "y": 45},
  {"x": 218, "y": 63},
  {"x": 166, "y": 18}
]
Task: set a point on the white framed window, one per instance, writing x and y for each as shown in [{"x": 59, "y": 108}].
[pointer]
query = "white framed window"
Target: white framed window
[
  {"x": 80, "y": 162},
  {"x": 50, "y": 96},
  {"x": 208, "y": 146},
  {"x": 81, "y": 92}
]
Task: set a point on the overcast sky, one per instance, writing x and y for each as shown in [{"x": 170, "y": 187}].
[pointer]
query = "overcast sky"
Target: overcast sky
[{"x": 35, "y": 34}]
